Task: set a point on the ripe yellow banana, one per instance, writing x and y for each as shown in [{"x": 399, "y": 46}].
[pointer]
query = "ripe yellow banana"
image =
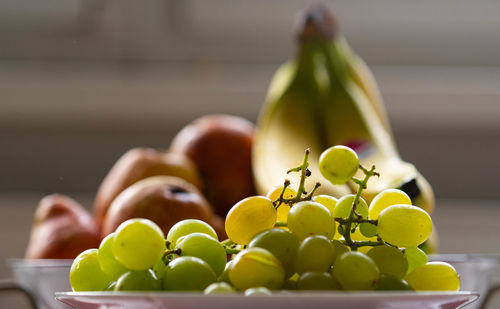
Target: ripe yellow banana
[
  {"x": 289, "y": 123},
  {"x": 327, "y": 96},
  {"x": 352, "y": 119},
  {"x": 360, "y": 73}
]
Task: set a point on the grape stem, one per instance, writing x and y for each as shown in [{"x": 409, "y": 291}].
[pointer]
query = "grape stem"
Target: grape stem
[
  {"x": 354, "y": 217},
  {"x": 175, "y": 251},
  {"x": 230, "y": 246},
  {"x": 304, "y": 173}
]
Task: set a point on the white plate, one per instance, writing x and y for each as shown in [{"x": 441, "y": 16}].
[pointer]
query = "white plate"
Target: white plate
[{"x": 330, "y": 300}]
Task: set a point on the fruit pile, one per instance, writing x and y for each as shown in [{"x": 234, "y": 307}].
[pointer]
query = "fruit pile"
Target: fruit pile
[{"x": 289, "y": 239}]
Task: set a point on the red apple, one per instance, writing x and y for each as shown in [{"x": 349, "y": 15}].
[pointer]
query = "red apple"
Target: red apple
[
  {"x": 220, "y": 147},
  {"x": 164, "y": 200},
  {"x": 62, "y": 229},
  {"x": 137, "y": 164}
]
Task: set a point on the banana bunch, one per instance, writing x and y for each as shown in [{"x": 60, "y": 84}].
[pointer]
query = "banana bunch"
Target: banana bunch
[{"x": 327, "y": 96}]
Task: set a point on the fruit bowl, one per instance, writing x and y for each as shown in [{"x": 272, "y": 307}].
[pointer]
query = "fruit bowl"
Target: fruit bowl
[
  {"x": 89, "y": 300},
  {"x": 42, "y": 278}
]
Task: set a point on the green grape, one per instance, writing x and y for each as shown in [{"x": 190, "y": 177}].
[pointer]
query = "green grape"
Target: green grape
[
  {"x": 283, "y": 209},
  {"x": 326, "y": 200},
  {"x": 249, "y": 217},
  {"x": 142, "y": 280},
  {"x": 254, "y": 267},
  {"x": 188, "y": 226},
  {"x": 415, "y": 258},
  {"x": 367, "y": 229},
  {"x": 256, "y": 291},
  {"x": 404, "y": 225},
  {"x": 309, "y": 218},
  {"x": 138, "y": 244},
  {"x": 86, "y": 273},
  {"x": 357, "y": 235},
  {"x": 315, "y": 254},
  {"x": 206, "y": 248},
  {"x": 389, "y": 260},
  {"x": 107, "y": 260},
  {"x": 338, "y": 249},
  {"x": 344, "y": 207},
  {"x": 219, "y": 288},
  {"x": 282, "y": 244},
  {"x": 356, "y": 271},
  {"x": 159, "y": 268},
  {"x": 188, "y": 273},
  {"x": 388, "y": 282},
  {"x": 385, "y": 199},
  {"x": 224, "y": 277},
  {"x": 317, "y": 281},
  {"x": 434, "y": 276},
  {"x": 338, "y": 164}
]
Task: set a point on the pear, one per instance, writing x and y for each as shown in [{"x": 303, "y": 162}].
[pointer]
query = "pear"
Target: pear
[
  {"x": 164, "y": 200},
  {"x": 220, "y": 147},
  {"x": 62, "y": 229},
  {"x": 139, "y": 163}
]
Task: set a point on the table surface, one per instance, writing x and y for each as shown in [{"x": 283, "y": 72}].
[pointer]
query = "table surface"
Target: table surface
[{"x": 464, "y": 226}]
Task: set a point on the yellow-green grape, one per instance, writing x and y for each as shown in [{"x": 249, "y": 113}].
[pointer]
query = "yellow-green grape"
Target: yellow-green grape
[
  {"x": 310, "y": 218},
  {"x": 138, "y": 244},
  {"x": 224, "y": 277},
  {"x": 389, "y": 260},
  {"x": 338, "y": 249},
  {"x": 344, "y": 207},
  {"x": 86, "y": 273},
  {"x": 434, "y": 276},
  {"x": 107, "y": 260},
  {"x": 206, "y": 248},
  {"x": 159, "y": 269},
  {"x": 326, "y": 200},
  {"x": 415, "y": 257},
  {"x": 404, "y": 225},
  {"x": 219, "y": 288},
  {"x": 188, "y": 273},
  {"x": 356, "y": 271},
  {"x": 283, "y": 209},
  {"x": 255, "y": 267},
  {"x": 368, "y": 229},
  {"x": 282, "y": 244},
  {"x": 338, "y": 164},
  {"x": 391, "y": 283},
  {"x": 249, "y": 217},
  {"x": 188, "y": 226},
  {"x": 385, "y": 199},
  {"x": 258, "y": 291},
  {"x": 143, "y": 280},
  {"x": 317, "y": 281},
  {"x": 315, "y": 254}
]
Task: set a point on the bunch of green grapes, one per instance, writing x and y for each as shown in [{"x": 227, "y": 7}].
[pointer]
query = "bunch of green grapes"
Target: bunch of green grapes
[{"x": 288, "y": 239}]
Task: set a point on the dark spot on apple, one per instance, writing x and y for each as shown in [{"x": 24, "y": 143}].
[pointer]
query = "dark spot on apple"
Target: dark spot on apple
[{"x": 177, "y": 190}]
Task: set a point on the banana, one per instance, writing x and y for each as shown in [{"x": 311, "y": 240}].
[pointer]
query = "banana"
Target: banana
[
  {"x": 289, "y": 123},
  {"x": 327, "y": 96},
  {"x": 351, "y": 118},
  {"x": 361, "y": 74}
]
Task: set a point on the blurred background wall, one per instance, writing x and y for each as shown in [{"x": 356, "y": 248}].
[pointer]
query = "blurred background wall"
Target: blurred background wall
[{"x": 82, "y": 81}]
